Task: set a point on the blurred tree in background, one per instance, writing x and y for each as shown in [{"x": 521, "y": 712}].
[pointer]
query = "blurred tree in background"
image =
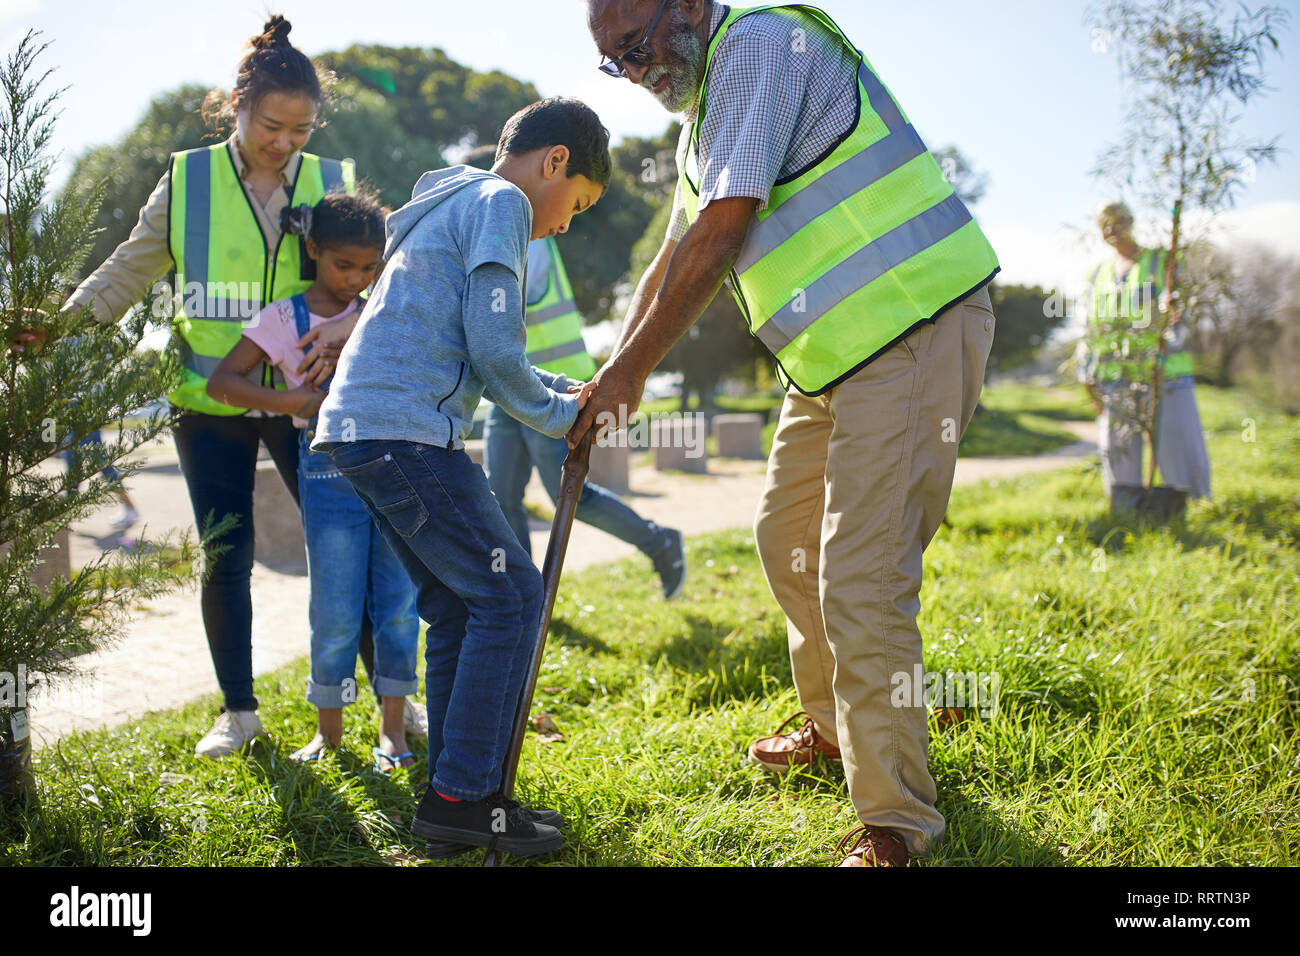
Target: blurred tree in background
[
  {"x": 967, "y": 182},
  {"x": 131, "y": 167},
  {"x": 1024, "y": 324},
  {"x": 1237, "y": 310},
  {"x": 598, "y": 245},
  {"x": 362, "y": 125},
  {"x": 435, "y": 98}
]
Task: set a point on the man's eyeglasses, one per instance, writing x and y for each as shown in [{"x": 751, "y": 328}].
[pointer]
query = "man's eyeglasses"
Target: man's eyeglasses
[{"x": 639, "y": 55}]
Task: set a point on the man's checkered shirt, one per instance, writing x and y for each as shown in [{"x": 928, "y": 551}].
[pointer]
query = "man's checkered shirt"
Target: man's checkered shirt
[{"x": 781, "y": 94}]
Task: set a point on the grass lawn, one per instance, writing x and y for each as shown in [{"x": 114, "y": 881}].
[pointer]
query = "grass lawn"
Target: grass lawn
[
  {"x": 1014, "y": 419},
  {"x": 1024, "y": 420},
  {"x": 1147, "y": 715}
]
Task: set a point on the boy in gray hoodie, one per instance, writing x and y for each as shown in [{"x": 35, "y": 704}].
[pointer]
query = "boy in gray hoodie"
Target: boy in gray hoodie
[{"x": 444, "y": 327}]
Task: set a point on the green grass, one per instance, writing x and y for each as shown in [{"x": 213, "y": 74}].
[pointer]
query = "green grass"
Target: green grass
[
  {"x": 1024, "y": 420},
  {"x": 1014, "y": 419},
  {"x": 763, "y": 404},
  {"x": 1149, "y": 706}
]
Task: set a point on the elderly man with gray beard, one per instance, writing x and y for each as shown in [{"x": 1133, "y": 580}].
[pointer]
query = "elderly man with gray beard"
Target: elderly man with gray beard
[{"x": 803, "y": 183}]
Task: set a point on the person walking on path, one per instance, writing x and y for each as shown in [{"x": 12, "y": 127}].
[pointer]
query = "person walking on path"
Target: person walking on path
[
  {"x": 852, "y": 259},
  {"x": 1121, "y": 297},
  {"x": 511, "y": 449},
  {"x": 129, "y": 515},
  {"x": 215, "y": 218}
]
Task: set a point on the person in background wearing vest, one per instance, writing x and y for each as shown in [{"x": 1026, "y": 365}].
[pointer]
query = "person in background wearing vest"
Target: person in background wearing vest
[
  {"x": 350, "y": 565},
  {"x": 1124, "y": 290},
  {"x": 512, "y": 449},
  {"x": 214, "y": 219},
  {"x": 802, "y": 180}
]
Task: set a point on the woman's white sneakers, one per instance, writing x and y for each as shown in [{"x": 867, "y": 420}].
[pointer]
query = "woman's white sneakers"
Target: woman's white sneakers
[{"x": 233, "y": 729}]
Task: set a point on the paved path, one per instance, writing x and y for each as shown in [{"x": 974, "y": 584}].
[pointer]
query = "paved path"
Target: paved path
[{"x": 163, "y": 660}]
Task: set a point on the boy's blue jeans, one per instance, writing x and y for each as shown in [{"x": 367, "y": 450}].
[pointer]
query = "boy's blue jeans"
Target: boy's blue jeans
[
  {"x": 510, "y": 451},
  {"x": 476, "y": 587},
  {"x": 352, "y": 570}
]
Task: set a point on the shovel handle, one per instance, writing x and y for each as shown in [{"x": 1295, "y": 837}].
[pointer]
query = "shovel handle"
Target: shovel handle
[{"x": 572, "y": 478}]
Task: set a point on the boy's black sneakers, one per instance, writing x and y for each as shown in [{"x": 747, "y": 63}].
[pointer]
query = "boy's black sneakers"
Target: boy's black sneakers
[
  {"x": 670, "y": 564},
  {"x": 545, "y": 815},
  {"x": 441, "y": 849},
  {"x": 491, "y": 821},
  {"x": 540, "y": 814}
]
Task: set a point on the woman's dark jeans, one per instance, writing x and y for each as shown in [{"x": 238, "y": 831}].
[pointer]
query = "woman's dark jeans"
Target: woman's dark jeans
[{"x": 218, "y": 455}]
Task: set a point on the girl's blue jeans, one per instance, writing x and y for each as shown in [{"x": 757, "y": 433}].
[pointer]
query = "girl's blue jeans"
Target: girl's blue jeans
[
  {"x": 352, "y": 571},
  {"x": 477, "y": 588}
]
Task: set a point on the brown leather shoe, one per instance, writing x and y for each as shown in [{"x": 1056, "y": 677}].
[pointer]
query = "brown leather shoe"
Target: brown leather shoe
[
  {"x": 875, "y": 846},
  {"x": 781, "y": 751},
  {"x": 945, "y": 717}
]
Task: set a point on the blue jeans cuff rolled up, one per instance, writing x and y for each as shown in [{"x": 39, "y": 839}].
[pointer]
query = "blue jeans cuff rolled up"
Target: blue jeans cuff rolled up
[{"x": 395, "y": 687}]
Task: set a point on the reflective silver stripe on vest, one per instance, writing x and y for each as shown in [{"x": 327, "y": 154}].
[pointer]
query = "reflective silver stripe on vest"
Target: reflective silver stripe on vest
[
  {"x": 198, "y": 214},
  {"x": 558, "y": 309},
  {"x": 331, "y": 175},
  {"x": 858, "y": 172},
  {"x": 864, "y": 266},
  {"x": 879, "y": 97},
  {"x": 538, "y": 316},
  {"x": 205, "y": 365},
  {"x": 215, "y": 309},
  {"x": 542, "y": 356}
]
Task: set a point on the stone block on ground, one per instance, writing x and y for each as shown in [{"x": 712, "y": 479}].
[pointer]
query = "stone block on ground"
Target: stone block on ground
[
  {"x": 739, "y": 435},
  {"x": 54, "y": 561},
  {"x": 678, "y": 443},
  {"x": 277, "y": 524},
  {"x": 609, "y": 467}
]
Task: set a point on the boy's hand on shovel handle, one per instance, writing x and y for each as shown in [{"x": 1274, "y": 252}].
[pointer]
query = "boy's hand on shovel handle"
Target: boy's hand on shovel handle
[
  {"x": 584, "y": 391},
  {"x": 612, "y": 395}
]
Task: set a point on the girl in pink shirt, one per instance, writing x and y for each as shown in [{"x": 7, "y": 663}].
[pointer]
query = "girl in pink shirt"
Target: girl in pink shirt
[{"x": 352, "y": 568}]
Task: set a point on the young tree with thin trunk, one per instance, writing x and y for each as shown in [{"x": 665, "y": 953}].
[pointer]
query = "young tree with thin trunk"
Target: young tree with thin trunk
[
  {"x": 1189, "y": 72},
  {"x": 62, "y": 376}
]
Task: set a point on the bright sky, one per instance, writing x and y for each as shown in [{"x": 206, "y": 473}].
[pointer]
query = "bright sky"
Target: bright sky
[{"x": 1015, "y": 84}]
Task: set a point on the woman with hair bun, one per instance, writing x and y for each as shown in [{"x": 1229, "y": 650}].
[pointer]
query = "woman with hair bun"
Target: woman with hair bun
[{"x": 215, "y": 219}]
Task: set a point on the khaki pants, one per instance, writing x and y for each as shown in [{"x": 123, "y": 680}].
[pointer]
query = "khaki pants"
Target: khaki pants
[{"x": 857, "y": 485}]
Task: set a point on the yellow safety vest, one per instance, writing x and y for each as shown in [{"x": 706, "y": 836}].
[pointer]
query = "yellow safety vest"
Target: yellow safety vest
[
  {"x": 225, "y": 272},
  {"x": 858, "y": 250},
  {"x": 554, "y": 325},
  {"x": 1124, "y": 318}
]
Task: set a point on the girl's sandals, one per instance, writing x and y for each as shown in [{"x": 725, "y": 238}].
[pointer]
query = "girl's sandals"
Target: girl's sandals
[
  {"x": 386, "y": 763},
  {"x": 300, "y": 756}
]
